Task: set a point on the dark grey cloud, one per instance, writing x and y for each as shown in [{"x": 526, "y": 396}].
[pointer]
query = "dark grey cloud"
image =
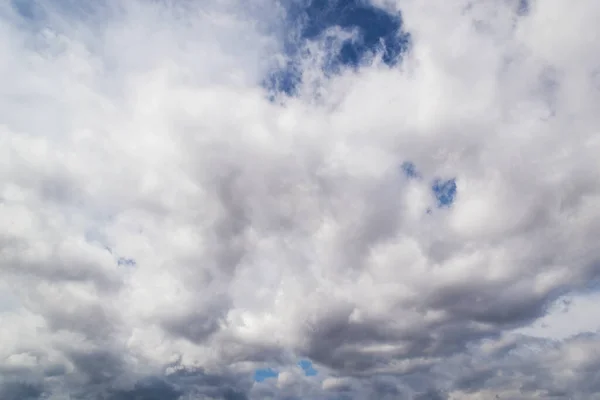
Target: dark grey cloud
[
  {"x": 98, "y": 367},
  {"x": 20, "y": 391},
  {"x": 152, "y": 389}
]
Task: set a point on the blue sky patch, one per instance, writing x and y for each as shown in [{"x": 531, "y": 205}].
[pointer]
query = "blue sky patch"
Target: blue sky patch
[
  {"x": 444, "y": 191},
  {"x": 409, "y": 169},
  {"x": 379, "y": 31},
  {"x": 377, "y": 27},
  {"x": 307, "y": 367},
  {"x": 266, "y": 373}
]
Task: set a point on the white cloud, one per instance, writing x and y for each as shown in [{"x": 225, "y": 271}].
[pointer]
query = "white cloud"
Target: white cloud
[{"x": 261, "y": 232}]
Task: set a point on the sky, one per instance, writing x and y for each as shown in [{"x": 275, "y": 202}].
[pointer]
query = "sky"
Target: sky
[{"x": 296, "y": 199}]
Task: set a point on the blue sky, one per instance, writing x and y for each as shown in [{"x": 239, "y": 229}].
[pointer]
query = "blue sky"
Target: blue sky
[
  {"x": 307, "y": 367},
  {"x": 378, "y": 32},
  {"x": 263, "y": 374}
]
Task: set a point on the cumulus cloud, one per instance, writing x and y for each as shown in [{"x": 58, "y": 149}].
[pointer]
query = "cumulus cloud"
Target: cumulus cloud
[{"x": 194, "y": 191}]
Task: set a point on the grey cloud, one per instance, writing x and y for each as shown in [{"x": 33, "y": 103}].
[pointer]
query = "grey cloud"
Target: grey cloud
[
  {"x": 197, "y": 325},
  {"x": 20, "y": 391},
  {"x": 220, "y": 386},
  {"x": 98, "y": 366},
  {"x": 490, "y": 303},
  {"x": 93, "y": 321},
  {"x": 152, "y": 389},
  {"x": 431, "y": 395}
]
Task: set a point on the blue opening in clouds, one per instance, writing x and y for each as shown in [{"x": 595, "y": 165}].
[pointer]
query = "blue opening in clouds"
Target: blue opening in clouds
[
  {"x": 262, "y": 374},
  {"x": 307, "y": 367},
  {"x": 409, "y": 169},
  {"x": 378, "y": 31},
  {"x": 444, "y": 191},
  {"x": 377, "y": 27}
]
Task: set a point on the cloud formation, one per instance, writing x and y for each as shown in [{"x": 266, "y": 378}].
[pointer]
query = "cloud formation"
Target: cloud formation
[{"x": 173, "y": 220}]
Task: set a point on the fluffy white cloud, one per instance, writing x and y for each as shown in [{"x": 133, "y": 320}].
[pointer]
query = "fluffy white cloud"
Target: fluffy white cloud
[{"x": 166, "y": 228}]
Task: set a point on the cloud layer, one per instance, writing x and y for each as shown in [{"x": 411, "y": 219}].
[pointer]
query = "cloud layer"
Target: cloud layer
[{"x": 173, "y": 218}]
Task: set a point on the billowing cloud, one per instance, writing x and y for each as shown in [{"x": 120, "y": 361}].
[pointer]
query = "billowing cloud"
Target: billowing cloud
[{"x": 364, "y": 199}]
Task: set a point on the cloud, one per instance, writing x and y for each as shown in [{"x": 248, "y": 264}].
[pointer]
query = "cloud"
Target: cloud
[{"x": 397, "y": 214}]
